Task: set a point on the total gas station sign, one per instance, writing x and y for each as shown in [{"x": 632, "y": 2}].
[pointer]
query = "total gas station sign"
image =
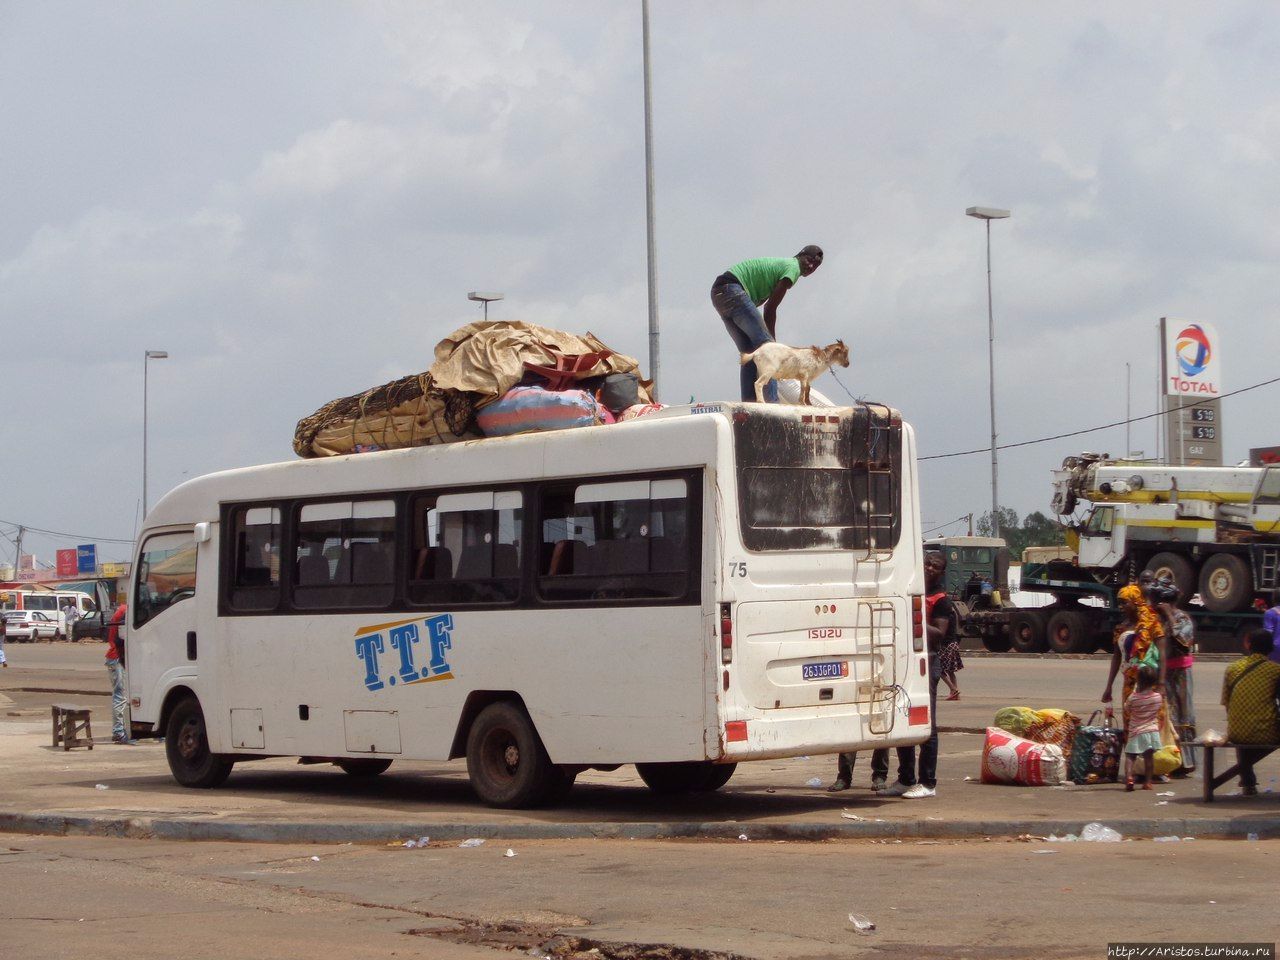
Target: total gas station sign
[{"x": 1191, "y": 373}]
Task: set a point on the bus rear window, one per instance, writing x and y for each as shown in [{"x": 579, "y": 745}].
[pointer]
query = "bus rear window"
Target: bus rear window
[{"x": 819, "y": 478}]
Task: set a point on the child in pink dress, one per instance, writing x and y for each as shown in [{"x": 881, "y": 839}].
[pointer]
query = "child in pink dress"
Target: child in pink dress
[{"x": 1144, "y": 726}]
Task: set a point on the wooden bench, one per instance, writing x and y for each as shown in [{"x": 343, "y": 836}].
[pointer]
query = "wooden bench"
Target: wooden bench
[
  {"x": 71, "y": 726},
  {"x": 1211, "y": 782}
]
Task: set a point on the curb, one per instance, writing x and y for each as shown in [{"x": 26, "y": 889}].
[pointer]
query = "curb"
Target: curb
[{"x": 161, "y": 828}]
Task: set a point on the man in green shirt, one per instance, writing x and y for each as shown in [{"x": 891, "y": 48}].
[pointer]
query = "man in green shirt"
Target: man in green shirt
[
  {"x": 738, "y": 293},
  {"x": 1249, "y": 689}
]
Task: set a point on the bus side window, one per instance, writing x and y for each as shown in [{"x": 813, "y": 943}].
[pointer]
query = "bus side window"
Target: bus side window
[
  {"x": 255, "y": 561},
  {"x": 345, "y": 554},
  {"x": 467, "y": 547},
  {"x": 615, "y": 541}
]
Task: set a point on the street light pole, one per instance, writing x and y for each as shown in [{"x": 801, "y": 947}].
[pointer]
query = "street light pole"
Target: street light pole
[
  {"x": 654, "y": 360},
  {"x": 147, "y": 355},
  {"x": 988, "y": 214},
  {"x": 485, "y": 298}
]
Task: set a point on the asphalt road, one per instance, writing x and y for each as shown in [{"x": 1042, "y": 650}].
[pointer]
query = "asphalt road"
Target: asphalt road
[{"x": 153, "y": 900}]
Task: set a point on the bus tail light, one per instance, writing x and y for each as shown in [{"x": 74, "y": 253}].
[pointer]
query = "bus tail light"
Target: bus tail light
[
  {"x": 917, "y": 716},
  {"x": 917, "y": 623},
  {"x": 735, "y": 731},
  {"x": 726, "y": 633}
]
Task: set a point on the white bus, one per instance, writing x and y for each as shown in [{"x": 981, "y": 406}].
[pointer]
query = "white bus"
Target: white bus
[
  {"x": 50, "y": 602},
  {"x": 706, "y": 585}
]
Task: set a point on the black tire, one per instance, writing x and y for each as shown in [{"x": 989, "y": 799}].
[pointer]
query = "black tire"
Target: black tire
[
  {"x": 672, "y": 778},
  {"x": 1226, "y": 583},
  {"x": 1177, "y": 568},
  {"x": 362, "y": 766},
  {"x": 506, "y": 762},
  {"x": 186, "y": 744},
  {"x": 560, "y": 785},
  {"x": 1027, "y": 631},
  {"x": 1068, "y": 632},
  {"x": 997, "y": 640},
  {"x": 719, "y": 776}
]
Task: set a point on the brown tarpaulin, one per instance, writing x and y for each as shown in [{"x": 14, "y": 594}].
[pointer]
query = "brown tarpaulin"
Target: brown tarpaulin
[{"x": 474, "y": 366}]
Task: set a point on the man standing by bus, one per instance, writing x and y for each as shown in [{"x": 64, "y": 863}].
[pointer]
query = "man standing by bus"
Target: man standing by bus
[
  {"x": 939, "y": 623},
  {"x": 737, "y": 295},
  {"x": 115, "y": 670},
  {"x": 70, "y": 614}
]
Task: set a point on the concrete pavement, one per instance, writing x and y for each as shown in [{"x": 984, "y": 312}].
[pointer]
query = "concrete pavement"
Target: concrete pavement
[{"x": 128, "y": 790}]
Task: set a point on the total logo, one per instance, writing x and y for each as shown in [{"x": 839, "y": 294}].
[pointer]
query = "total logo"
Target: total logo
[
  {"x": 431, "y": 637},
  {"x": 1194, "y": 353}
]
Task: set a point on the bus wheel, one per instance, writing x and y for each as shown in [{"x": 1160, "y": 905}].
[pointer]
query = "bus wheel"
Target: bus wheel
[
  {"x": 1226, "y": 583},
  {"x": 719, "y": 776},
  {"x": 186, "y": 744},
  {"x": 506, "y": 762},
  {"x": 686, "y": 777},
  {"x": 362, "y": 767},
  {"x": 1177, "y": 568},
  {"x": 1026, "y": 631},
  {"x": 1068, "y": 632}
]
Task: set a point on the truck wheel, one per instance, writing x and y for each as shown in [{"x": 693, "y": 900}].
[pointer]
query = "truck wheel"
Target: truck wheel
[
  {"x": 997, "y": 639},
  {"x": 186, "y": 745},
  {"x": 1026, "y": 631},
  {"x": 1177, "y": 568},
  {"x": 1068, "y": 632},
  {"x": 1226, "y": 583},
  {"x": 506, "y": 762}
]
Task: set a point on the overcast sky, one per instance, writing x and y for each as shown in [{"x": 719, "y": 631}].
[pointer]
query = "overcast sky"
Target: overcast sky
[{"x": 294, "y": 199}]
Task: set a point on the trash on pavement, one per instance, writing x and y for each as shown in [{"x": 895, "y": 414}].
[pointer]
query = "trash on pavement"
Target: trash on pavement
[
  {"x": 743, "y": 836},
  {"x": 1166, "y": 793},
  {"x": 315, "y": 859},
  {"x": 1166, "y": 839},
  {"x": 471, "y": 842},
  {"x": 509, "y": 853},
  {"x": 101, "y": 786},
  {"x": 861, "y": 923},
  {"x": 851, "y": 816},
  {"x": 813, "y": 782},
  {"x": 1252, "y": 836},
  {"x": 1100, "y": 833}
]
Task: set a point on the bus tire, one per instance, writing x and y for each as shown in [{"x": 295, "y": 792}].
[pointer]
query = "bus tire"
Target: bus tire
[
  {"x": 1226, "y": 583},
  {"x": 719, "y": 776},
  {"x": 671, "y": 778},
  {"x": 186, "y": 744},
  {"x": 362, "y": 766},
  {"x": 506, "y": 762},
  {"x": 1026, "y": 631},
  {"x": 1177, "y": 568},
  {"x": 1068, "y": 632},
  {"x": 560, "y": 784}
]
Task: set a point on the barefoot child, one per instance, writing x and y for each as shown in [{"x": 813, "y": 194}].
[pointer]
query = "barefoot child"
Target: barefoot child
[{"x": 1144, "y": 726}]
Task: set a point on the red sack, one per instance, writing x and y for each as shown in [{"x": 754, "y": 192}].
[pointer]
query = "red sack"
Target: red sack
[{"x": 1010, "y": 759}]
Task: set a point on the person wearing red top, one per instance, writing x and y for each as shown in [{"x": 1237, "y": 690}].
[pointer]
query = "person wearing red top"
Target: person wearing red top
[{"x": 115, "y": 670}]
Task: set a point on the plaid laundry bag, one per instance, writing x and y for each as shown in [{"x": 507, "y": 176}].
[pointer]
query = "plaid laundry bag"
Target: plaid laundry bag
[{"x": 1095, "y": 755}]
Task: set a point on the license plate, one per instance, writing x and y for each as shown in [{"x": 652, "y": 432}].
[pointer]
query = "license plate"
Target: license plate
[{"x": 827, "y": 670}]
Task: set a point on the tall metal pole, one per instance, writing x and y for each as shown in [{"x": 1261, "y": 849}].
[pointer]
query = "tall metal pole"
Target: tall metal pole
[
  {"x": 648, "y": 190},
  {"x": 1128, "y": 415},
  {"x": 991, "y": 366},
  {"x": 146, "y": 355}
]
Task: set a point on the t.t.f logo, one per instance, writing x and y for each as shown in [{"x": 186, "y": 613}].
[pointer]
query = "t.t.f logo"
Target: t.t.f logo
[{"x": 405, "y": 639}]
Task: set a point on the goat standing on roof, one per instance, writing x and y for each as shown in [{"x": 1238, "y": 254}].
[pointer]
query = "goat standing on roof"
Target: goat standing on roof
[{"x": 737, "y": 295}]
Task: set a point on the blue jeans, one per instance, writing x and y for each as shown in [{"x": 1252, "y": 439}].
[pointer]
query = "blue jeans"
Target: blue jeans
[
  {"x": 746, "y": 326},
  {"x": 115, "y": 670}
]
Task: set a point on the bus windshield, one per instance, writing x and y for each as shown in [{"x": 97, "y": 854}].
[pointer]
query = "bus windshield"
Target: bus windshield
[{"x": 822, "y": 480}]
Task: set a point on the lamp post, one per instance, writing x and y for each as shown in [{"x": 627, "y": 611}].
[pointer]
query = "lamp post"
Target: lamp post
[
  {"x": 147, "y": 356},
  {"x": 654, "y": 359},
  {"x": 485, "y": 298},
  {"x": 988, "y": 214}
]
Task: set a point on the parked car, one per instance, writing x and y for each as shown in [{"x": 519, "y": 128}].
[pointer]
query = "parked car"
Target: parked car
[
  {"x": 92, "y": 626},
  {"x": 29, "y": 625}
]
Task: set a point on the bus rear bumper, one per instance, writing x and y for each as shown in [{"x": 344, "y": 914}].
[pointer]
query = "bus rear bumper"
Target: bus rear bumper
[{"x": 773, "y": 737}]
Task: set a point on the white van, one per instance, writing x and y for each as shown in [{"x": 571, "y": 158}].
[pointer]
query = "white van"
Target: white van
[{"x": 51, "y": 603}]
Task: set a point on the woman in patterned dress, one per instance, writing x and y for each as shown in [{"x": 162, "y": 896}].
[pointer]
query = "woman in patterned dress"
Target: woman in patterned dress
[{"x": 1139, "y": 632}]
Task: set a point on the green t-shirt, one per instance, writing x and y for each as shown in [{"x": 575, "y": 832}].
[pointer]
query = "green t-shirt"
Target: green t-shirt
[{"x": 761, "y": 275}]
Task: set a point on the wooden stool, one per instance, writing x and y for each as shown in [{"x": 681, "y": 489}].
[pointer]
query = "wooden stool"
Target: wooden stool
[{"x": 69, "y": 722}]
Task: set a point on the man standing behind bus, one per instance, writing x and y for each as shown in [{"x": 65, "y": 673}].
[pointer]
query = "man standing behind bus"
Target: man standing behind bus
[
  {"x": 737, "y": 295},
  {"x": 70, "y": 614},
  {"x": 938, "y": 626},
  {"x": 115, "y": 670}
]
